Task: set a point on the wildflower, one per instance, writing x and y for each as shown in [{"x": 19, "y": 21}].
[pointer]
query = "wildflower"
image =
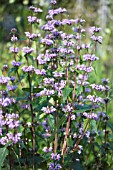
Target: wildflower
[
  {"x": 40, "y": 72},
  {"x": 31, "y": 36},
  {"x": 14, "y": 49},
  {"x": 27, "y": 50},
  {"x": 31, "y": 19},
  {"x": 47, "y": 41},
  {"x": 55, "y": 156},
  {"x": 90, "y": 57},
  {"x": 96, "y": 38},
  {"x": 95, "y": 99},
  {"x": 53, "y": 2},
  {"x": 54, "y": 166},
  {"x": 45, "y": 92},
  {"x": 60, "y": 85},
  {"x": 85, "y": 68},
  {"x": 11, "y": 88},
  {"x": 48, "y": 109},
  {"x": 46, "y": 149},
  {"x": 12, "y": 78},
  {"x": 67, "y": 108},
  {"x": 48, "y": 81},
  {"x": 58, "y": 74},
  {"x": 95, "y": 29},
  {"x": 6, "y": 101},
  {"x": 91, "y": 115},
  {"x": 16, "y": 64},
  {"x": 14, "y": 38},
  {"x": 28, "y": 68},
  {"x": 4, "y": 80},
  {"x": 98, "y": 87}
]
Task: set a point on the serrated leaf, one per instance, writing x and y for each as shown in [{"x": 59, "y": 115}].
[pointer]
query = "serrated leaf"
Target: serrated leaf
[
  {"x": 94, "y": 126},
  {"x": 51, "y": 121},
  {"x": 79, "y": 90},
  {"x": 22, "y": 77},
  {"x": 81, "y": 110},
  {"x": 110, "y": 125},
  {"x": 60, "y": 122},
  {"x": 84, "y": 107},
  {"x": 31, "y": 57},
  {"x": 11, "y": 71},
  {"x": 77, "y": 166},
  {"x": 86, "y": 124},
  {"x": 3, "y": 154},
  {"x": 66, "y": 91}
]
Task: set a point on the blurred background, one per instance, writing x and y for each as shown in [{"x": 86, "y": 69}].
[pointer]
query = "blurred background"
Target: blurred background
[{"x": 13, "y": 13}]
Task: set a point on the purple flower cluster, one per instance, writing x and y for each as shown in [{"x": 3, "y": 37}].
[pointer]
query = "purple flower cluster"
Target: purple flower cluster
[
  {"x": 55, "y": 166},
  {"x": 98, "y": 87},
  {"x": 58, "y": 74},
  {"x": 85, "y": 68},
  {"x": 95, "y": 99},
  {"x": 4, "y": 80},
  {"x": 10, "y": 137},
  {"x": 14, "y": 38},
  {"x": 35, "y": 10},
  {"x": 11, "y": 88},
  {"x": 90, "y": 57},
  {"x": 11, "y": 120},
  {"x": 45, "y": 92},
  {"x": 55, "y": 156},
  {"x": 48, "y": 81},
  {"x": 95, "y": 30},
  {"x": 6, "y": 101},
  {"x": 32, "y": 19},
  {"x": 16, "y": 64},
  {"x": 40, "y": 72},
  {"x": 46, "y": 149},
  {"x": 91, "y": 115},
  {"x": 96, "y": 38},
  {"x": 53, "y": 1},
  {"x": 28, "y": 68},
  {"x": 14, "y": 49},
  {"x": 27, "y": 50},
  {"x": 61, "y": 65},
  {"x": 48, "y": 109},
  {"x": 31, "y": 36},
  {"x": 47, "y": 41},
  {"x": 53, "y": 12},
  {"x": 67, "y": 108}
]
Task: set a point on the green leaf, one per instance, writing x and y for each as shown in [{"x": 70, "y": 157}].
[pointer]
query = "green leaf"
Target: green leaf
[
  {"x": 11, "y": 71},
  {"x": 22, "y": 77},
  {"x": 79, "y": 90},
  {"x": 83, "y": 108},
  {"x": 3, "y": 154},
  {"x": 77, "y": 166},
  {"x": 31, "y": 57},
  {"x": 51, "y": 121},
  {"x": 94, "y": 126},
  {"x": 60, "y": 122},
  {"x": 20, "y": 98},
  {"x": 66, "y": 91},
  {"x": 110, "y": 125},
  {"x": 26, "y": 89},
  {"x": 85, "y": 124}
]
